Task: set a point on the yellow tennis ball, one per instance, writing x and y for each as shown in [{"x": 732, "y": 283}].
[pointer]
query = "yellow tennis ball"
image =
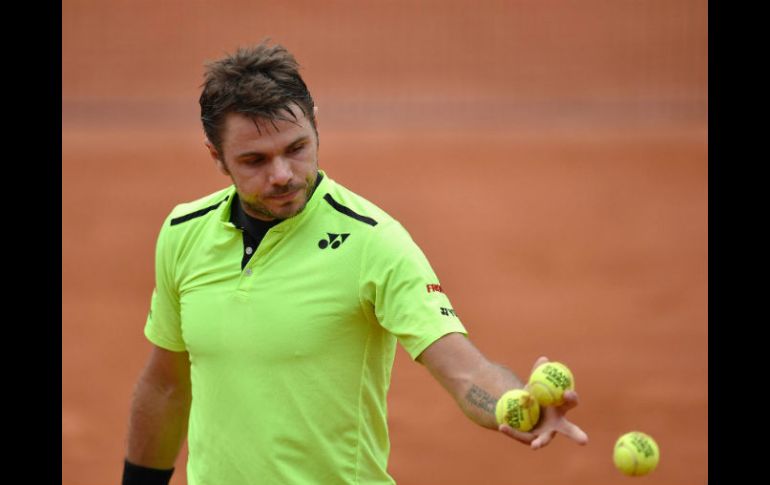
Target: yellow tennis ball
[
  {"x": 548, "y": 383},
  {"x": 518, "y": 409},
  {"x": 636, "y": 454}
]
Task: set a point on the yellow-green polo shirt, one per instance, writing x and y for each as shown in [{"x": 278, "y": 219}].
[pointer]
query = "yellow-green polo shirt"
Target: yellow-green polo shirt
[{"x": 291, "y": 357}]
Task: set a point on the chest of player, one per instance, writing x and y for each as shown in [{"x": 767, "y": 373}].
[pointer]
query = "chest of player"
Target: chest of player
[{"x": 297, "y": 298}]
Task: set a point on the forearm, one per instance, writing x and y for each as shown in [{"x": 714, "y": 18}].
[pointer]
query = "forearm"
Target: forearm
[
  {"x": 157, "y": 424},
  {"x": 472, "y": 380},
  {"x": 477, "y": 395}
]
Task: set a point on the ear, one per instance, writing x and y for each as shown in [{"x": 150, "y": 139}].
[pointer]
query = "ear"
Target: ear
[
  {"x": 218, "y": 160},
  {"x": 315, "y": 114}
]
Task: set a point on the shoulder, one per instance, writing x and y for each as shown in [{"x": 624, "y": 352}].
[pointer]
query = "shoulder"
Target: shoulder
[
  {"x": 188, "y": 220},
  {"x": 198, "y": 208},
  {"x": 342, "y": 203},
  {"x": 385, "y": 234}
]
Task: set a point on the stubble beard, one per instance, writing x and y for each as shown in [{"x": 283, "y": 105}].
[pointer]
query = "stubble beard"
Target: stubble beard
[{"x": 261, "y": 209}]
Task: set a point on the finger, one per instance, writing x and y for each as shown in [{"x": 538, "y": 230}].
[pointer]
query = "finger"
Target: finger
[
  {"x": 573, "y": 432},
  {"x": 540, "y": 360},
  {"x": 542, "y": 440},
  {"x": 571, "y": 395},
  {"x": 570, "y": 401},
  {"x": 521, "y": 436}
]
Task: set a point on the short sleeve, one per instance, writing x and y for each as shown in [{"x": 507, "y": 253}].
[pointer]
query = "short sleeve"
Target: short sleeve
[
  {"x": 163, "y": 327},
  {"x": 407, "y": 298}
]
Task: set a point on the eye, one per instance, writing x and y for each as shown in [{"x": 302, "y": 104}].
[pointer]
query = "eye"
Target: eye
[
  {"x": 296, "y": 148},
  {"x": 253, "y": 161}
]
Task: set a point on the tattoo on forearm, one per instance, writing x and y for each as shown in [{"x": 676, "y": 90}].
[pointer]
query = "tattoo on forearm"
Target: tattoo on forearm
[{"x": 481, "y": 399}]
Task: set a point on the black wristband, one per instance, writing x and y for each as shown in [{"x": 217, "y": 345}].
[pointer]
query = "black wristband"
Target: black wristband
[{"x": 141, "y": 475}]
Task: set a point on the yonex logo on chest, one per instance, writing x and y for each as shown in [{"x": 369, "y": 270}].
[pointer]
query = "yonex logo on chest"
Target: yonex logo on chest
[{"x": 334, "y": 240}]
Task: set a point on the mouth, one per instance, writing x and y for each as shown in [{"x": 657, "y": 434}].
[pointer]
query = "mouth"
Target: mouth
[{"x": 285, "y": 197}]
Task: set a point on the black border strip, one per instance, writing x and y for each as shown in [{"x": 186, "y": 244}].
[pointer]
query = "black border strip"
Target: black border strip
[
  {"x": 198, "y": 213},
  {"x": 348, "y": 212}
]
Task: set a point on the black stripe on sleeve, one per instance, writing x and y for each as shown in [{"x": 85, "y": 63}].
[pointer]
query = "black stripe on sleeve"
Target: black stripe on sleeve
[
  {"x": 198, "y": 213},
  {"x": 348, "y": 212}
]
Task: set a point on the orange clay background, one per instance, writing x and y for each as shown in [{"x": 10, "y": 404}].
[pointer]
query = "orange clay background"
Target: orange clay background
[{"x": 549, "y": 157}]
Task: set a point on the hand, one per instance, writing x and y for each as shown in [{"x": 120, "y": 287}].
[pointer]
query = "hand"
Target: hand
[{"x": 552, "y": 421}]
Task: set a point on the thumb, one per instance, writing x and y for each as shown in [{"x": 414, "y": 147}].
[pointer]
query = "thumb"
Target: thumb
[{"x": 540, "y": 361}]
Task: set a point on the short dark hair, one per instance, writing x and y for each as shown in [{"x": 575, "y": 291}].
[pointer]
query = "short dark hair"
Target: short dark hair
[{"x": 260, "y": 81}]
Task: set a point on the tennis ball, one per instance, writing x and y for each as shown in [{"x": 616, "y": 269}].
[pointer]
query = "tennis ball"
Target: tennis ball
[
  {"x": 548, "y": 383},
  {"x": 518, "y": 409},
  {"x": 636, "y": 454}
]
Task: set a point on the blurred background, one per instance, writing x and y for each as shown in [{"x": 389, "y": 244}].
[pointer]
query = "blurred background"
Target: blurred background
[{"x": 550, "y": 158}]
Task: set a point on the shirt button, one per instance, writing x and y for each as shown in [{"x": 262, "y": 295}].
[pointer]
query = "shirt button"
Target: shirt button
[
  {"x": 249, "y": 250},
  {"x": 248, "y": 271}
]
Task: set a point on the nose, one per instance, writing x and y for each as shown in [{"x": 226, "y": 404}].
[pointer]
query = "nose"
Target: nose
[{"x": 281, "y": 173}]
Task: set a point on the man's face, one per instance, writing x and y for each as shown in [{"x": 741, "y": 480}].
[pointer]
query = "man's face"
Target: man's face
[{"x": 272, "y": 164}]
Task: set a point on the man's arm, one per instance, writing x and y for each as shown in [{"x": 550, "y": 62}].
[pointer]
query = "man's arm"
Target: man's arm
[
  {"x": 476, "y": 384},
  {"x": 160, "y": 409},
  {"x": 472, "y": 380}
]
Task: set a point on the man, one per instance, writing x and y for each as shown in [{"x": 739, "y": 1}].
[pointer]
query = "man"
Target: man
[{"x": 278, "y": 304}]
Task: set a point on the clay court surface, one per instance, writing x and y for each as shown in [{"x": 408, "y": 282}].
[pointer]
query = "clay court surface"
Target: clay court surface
[{"x": 579, "y": 233}]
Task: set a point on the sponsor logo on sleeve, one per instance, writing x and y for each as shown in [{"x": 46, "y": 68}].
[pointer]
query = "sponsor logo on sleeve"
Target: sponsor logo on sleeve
[
  {"x": 448, "y": 312},
  {"x": 434, "y": 287}
]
